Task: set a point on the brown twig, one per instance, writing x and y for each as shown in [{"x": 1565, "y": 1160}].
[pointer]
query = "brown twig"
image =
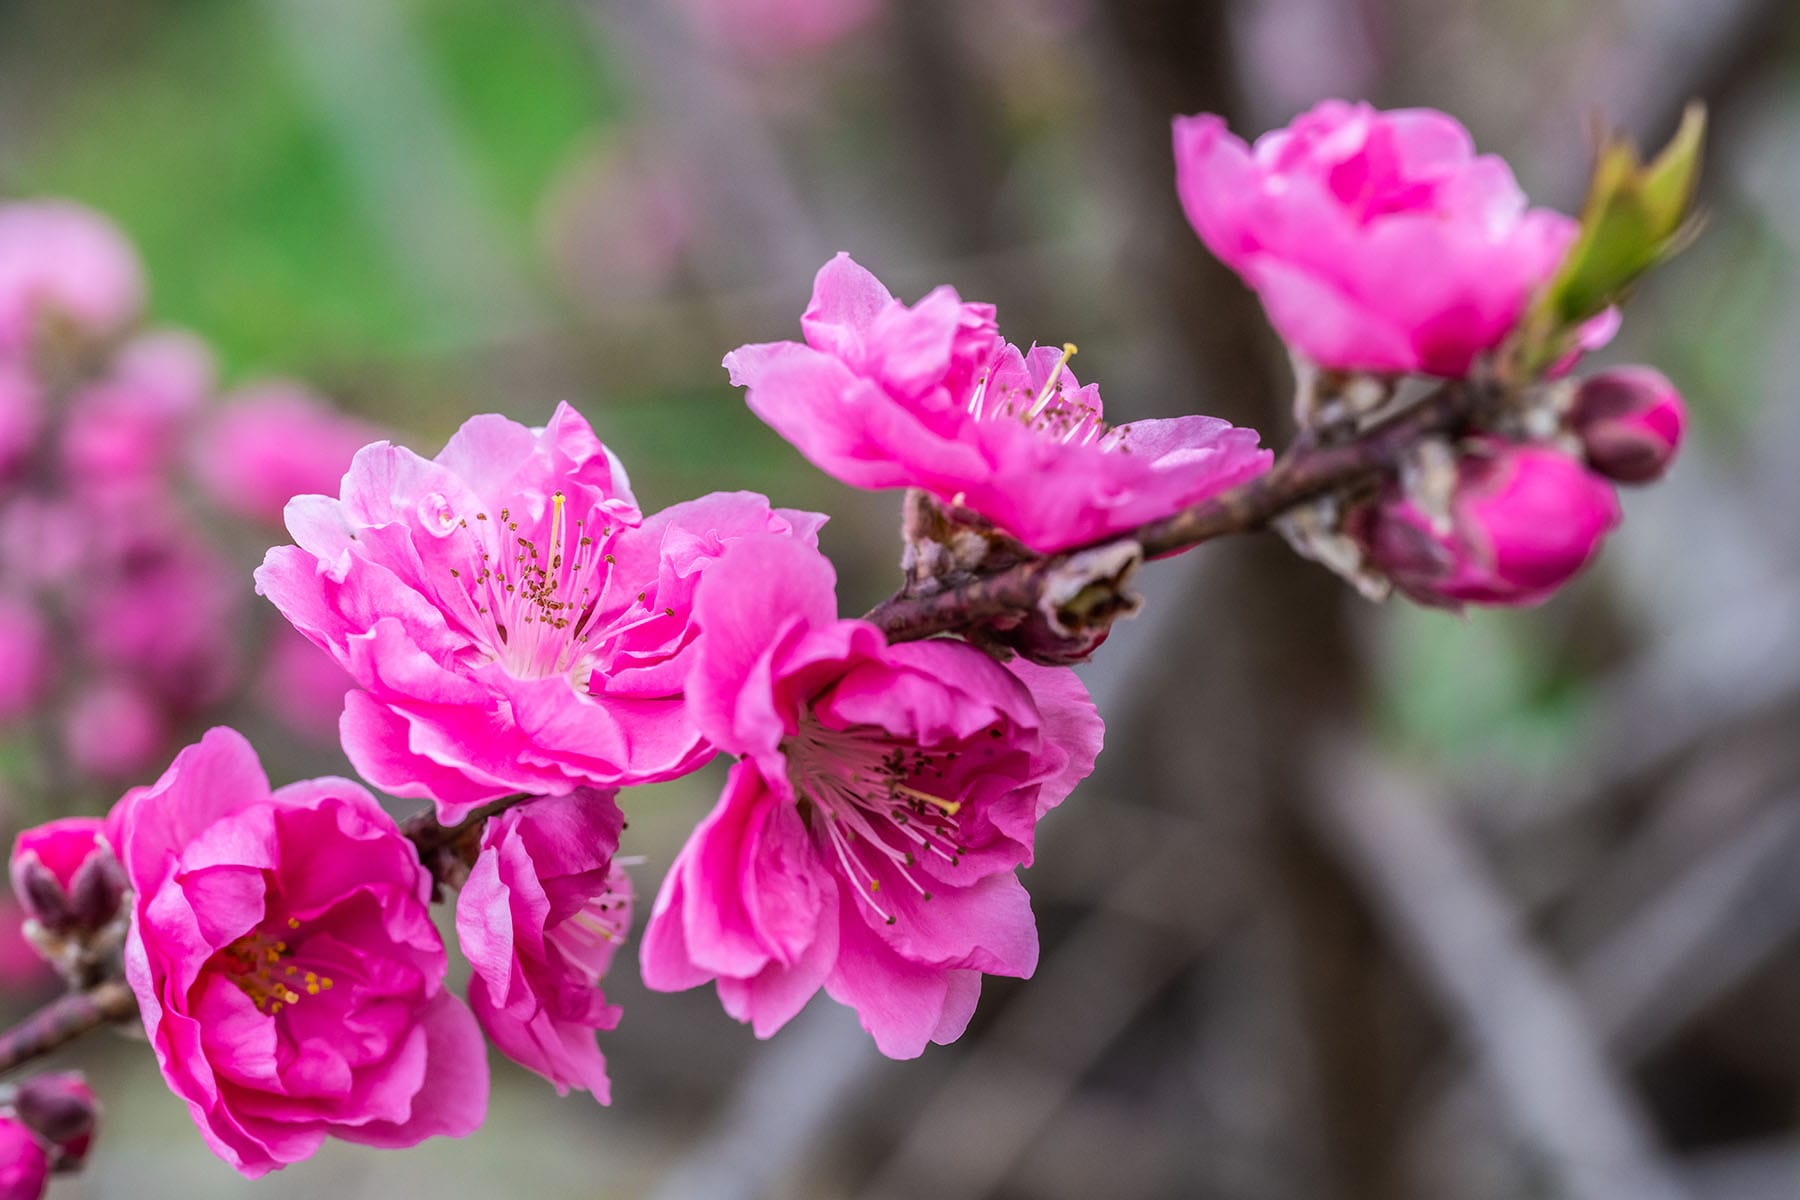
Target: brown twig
[
  {"x": 65, "y": 1019},
  {"x": 1306, "y": 472}
]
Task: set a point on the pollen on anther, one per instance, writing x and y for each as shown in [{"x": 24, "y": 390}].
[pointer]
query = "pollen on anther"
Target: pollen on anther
[{"x": 293, "y": 922}]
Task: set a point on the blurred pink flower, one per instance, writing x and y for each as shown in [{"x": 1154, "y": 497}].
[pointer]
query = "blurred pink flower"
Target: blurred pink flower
[
  {"x": 61, "y": 1109},
  {"x": 124, "y": 432},
  {"x": 1377, "y": 241},
  {"x": 510, "y": 620},
  {"x": 541, "y": 915},
  {"x": 60, "y": 261},
  {"x": 272, "y": 442},
  {"x": 286, "y": 966},
  {"x": 868, "y": 836},
  {"x": 25, "y": 658},
  {"x": 302, "y": 686},
  {"x": 619, "y": 222},
  {"x": 21, "y": 415},
  {"x": 162, "y": 607},
  {"x": 778, "y": 28},
  {"x": 881, "y": 395},
  {"x": 1524, "y": 520},
  {"x": 112, "y": 729},
  {"x": 22, "y": 968},
  {"x": 24, "y": 1164}
]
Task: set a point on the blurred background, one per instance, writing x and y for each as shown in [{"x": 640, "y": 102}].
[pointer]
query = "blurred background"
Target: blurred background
[{"x": 1363, "y": 902}]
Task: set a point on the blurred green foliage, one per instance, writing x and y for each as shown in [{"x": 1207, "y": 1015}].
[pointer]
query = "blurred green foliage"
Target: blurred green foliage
[{"x": 207, "y": 146}]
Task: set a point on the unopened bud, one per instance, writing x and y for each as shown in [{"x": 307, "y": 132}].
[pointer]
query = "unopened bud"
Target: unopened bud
[
  {"x": 62, "y": 1110},
  {"x": 66, "y": 875},
  {"x": 24, "y": 1165},
  {"x": 1523, "y": 521},
  {"x": 1630, "y": 421}
]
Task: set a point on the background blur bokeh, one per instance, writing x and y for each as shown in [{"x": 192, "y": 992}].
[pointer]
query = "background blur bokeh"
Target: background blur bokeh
[{"x": 1370, "y": 903}]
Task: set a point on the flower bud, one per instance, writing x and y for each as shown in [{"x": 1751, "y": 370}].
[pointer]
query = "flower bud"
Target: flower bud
[
  {"x": 66, "y": 875},
  {"x": 62, "y": 1110},
  {"x": 1630, "y": 421},
  {"x": 24, "y": 1166},
  {"x": 1523, "y": 521}
]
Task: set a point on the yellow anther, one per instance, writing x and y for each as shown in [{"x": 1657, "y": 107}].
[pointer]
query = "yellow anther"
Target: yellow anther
[
  {"x": 948, "y": 807},
  {"x": 293, "y": 922}
]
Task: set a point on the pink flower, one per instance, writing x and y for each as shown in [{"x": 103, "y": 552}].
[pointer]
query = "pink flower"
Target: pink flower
[
  {"x": 66, "y": 875},
  {"x": 24, "y": 1166},
  {"x": 123, "y": 432},
  {"x": 25, "y": 662},
  {"x": 886, "y": 396},
  {"x": 1630, "y": 421},
  {"x": 286, "y": 966},
  {"x": 1524, "y": 520},
  {"x": 540, "y": 918},
  {"x": 21, "y": 415},
  {"x": 62, "y": 1110},
  {"x": 1378, "y": 241},
  {"x": 510, "y": 621},
  {"x": 868, "y": 836},
  {"x": 61, "y": 261},
  {"x": 778, "y": 28},
  {"x": 112, "y": 729},
  {"x": 302, "y": 686},
  {"x": 271, "y": 443}
]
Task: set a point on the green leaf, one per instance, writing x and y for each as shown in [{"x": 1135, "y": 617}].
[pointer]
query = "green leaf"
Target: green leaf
[{"x": 1636, "y": 216}]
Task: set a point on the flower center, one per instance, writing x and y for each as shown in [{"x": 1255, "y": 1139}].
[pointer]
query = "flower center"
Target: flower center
[
  {"x": 260, "y": 966},
  {"x": 538, "y": 601},
  {"x": 868, "y": 799},
  {"x": 1051, "y": 411}
]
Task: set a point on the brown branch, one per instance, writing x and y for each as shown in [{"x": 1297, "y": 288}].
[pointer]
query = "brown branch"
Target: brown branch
[
  {"x": 429, "y": 836},
  {"x": 1306, "y": 472},
  {"x": 65, "y": 1019}
]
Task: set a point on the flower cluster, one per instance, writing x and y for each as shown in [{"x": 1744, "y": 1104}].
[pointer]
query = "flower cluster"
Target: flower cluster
[
  {"x": 121, "y": 616},
  {"x": 1315, "y": 217},
  {"x": 519, "y": 641}
]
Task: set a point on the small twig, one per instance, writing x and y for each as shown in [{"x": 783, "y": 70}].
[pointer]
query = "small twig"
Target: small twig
[
  {"x": 65, "y": 1019},
  {"x": 1305, "y": 473},
  {"x": 430, "y": 837}
]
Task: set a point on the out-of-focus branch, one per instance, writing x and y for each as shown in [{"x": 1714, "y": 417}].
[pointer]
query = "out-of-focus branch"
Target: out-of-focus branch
[
  {"x": 1306, "y": 472},
  {"x": 65, "y": 1019}
]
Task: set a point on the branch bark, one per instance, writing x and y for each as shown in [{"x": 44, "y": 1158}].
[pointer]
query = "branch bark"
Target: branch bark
[
  {"x": 65, "y": 1019},
  {"x": 1306, "y": 472}
]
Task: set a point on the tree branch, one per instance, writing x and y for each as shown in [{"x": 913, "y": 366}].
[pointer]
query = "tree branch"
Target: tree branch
[
  {"x": 65, "y": 1019},
  {"x": 1306, "y": 472}
]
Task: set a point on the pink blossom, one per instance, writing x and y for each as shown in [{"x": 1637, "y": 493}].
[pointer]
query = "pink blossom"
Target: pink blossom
[
  {"x": 21, "y": 415},
  {"x": 881, "y": 395},
  {"x": 64, "y": 262},
  {"x": 25, "y": 662},
  {"x": 66, "y": 875},
  {"x": 1630, "y": 421},
  {"x": 510, "y": 620},
  {"x": 123, "y": 432},
  {"x": 543, "y": 912},
  {"x": 1524, "y": 520},
  {"x": 24, "y": 1166},
  {"x": 285, "y": 964},
  {"x": 868, "y": 836},
  {"x": 113, "y": 729},
  {"x": 779, "y": 28},
  {"x": 61, "y": 1109},
  {"x": 1377, "y": 241},
  {"x": 302, "y": 686},
  {"x": 273, "y": 442}
]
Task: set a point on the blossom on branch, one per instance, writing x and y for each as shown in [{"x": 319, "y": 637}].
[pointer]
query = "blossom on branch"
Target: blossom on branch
[
  {"x": 286, "y": 966},
  {"x": 1377, "y": 241},
  {"x": 509, "y": 619},
  {"x": 868, "y": 837},
  {"x": 542, "y": 914},
  {"x": 882, "y": 395}
]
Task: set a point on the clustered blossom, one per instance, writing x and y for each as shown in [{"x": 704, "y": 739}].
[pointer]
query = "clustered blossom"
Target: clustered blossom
[
  {"x": 881, "y": 395},
  {"x": 121, "y": 612},
  {"x": 773, "y": 29},
  {"x": 867, "y": 838},
  {"x": 503, "y": 624},
  {"x": 511, "y": 621}
]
